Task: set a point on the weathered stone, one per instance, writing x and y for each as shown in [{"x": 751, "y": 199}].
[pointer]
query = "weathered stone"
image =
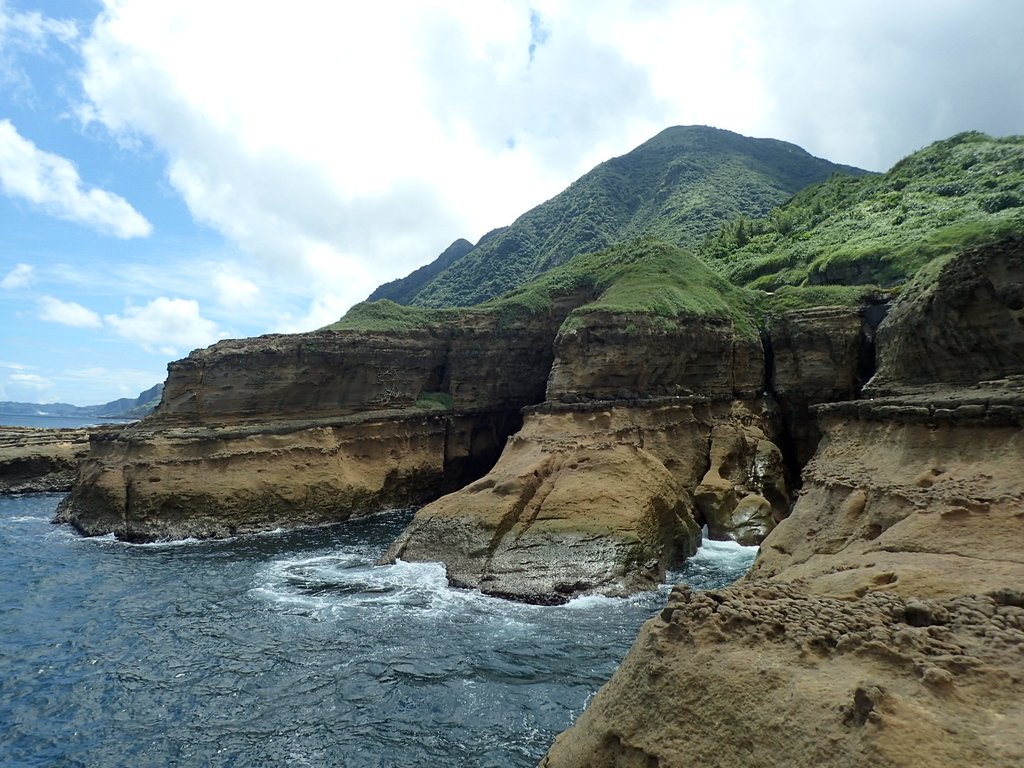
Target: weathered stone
[
  {"x": 768, "y": 675},
  {"x": 595, "y": 500},
  {"x": 744, "y": 466},
  {"x": 610, "y": 355},
  {"x": 42, "y": 460},
  {"x": 963, "y": 326}
]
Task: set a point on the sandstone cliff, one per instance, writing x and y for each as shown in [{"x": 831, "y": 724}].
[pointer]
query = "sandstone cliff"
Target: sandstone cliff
[
  {"x": 882, "y": 623},
  {"x": 583, "y": 499},
  {"x": 311, "y": 428},
  {"x": 608, "y": 484}
]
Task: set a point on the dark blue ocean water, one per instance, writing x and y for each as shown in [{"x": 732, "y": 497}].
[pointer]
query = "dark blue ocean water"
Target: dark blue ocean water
[{"x": 287, "y": 649}]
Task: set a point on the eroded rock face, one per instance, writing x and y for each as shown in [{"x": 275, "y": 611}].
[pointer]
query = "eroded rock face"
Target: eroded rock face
[
  {"x": 172, "y": 483},
  {"x": 743, "y": 494},
  {"x": 965, "y": 326},
  {"x": 882, "y": 623},
  {"x": 819, "y": 355},
  {"x": 766, "y": 674},
  {"x": 276, "y": 431},
  {"x": 475, "y": 365},
  {"x": 596, "y": 498},
  {"x": 902, "y": 495}
]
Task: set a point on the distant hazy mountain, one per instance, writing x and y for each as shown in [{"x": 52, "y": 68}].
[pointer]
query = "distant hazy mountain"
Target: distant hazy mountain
[
  {"x": 125, "y": 407},
  {"x": 678, "y": 187}
]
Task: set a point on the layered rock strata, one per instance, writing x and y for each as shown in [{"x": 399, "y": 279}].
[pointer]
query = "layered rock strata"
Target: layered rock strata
[
  {"x": 598, "y": 494},
  {"x": 883, "y": 620},
  {"x": 313, "y": 428},
  {"x": 42, "y": 460}
]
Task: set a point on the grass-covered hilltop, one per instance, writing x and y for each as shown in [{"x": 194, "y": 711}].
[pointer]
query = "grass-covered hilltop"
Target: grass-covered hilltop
[{"x": 653, "y": 220}]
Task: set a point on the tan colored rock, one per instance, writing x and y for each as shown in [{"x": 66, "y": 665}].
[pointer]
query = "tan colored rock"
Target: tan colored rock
[
  {"x": 168, "y": 483},
  {"x": 883, "y": 621},
  {"x": 903, "y": 506},
  {"x": 744, "y": 492},
  {"x": 254, "y": 434},
  {"x": 764, "y": 674},
  {"x": 584, "y": 499},
  {"x": 42, "y": 460}
]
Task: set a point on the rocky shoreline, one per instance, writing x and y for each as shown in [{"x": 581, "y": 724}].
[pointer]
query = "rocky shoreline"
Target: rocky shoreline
[{"x": 38, "y": 460}]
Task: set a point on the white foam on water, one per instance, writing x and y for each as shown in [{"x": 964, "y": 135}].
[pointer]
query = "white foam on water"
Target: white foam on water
[
  {"x": 341, "y": 583},
  {"x": 725, "y": 550}
]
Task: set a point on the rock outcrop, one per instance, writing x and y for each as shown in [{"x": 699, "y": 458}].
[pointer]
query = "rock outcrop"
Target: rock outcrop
[
  {"x": 883, "y": 621},
  {"x": 43, "y": 460},
  {"x": 607, "y": 484},
  {"x": 960, "y": 321},
  {"x": 596, "y": 498},
  {"x": 766, "y": 674}
]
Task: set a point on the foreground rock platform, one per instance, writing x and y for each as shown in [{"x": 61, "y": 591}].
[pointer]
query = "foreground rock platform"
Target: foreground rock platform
[{"x": 766, "y": 674}]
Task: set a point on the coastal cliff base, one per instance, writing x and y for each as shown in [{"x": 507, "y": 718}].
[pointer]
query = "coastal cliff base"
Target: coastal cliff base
[
  {"x": 36, "y": 460},
  {"x": 603, "y": 498}
]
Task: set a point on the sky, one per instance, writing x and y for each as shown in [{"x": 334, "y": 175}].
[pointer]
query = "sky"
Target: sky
[{"x": 175, "y": 173}]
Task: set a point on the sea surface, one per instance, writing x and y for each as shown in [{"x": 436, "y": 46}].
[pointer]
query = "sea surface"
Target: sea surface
[
  {"x": 288, "y": 649},
  {"x": 45, "y": 421}
]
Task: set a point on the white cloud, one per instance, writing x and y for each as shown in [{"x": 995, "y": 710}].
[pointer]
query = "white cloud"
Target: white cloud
[
  {"x": 52, "y": 183},
  {"x": 31, "y": 380},
  {"x": 54, "y": 310},
  {"x": 21, "y": 276},
  {"x": 235, "y": 292},
  {"x": 168, "y": 326},
  {"x": 32, "y": 30},
  {"x": 373, "y": 141}
]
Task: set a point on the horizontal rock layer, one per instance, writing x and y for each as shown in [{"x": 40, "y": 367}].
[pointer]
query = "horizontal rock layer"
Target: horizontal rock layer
[
  {"x": 42, "y": 460},
  {"x": 166, "y": 483}
]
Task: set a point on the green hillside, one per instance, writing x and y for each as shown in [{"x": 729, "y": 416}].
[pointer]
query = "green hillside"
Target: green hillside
[
  {"x": 880, "y": 229},
  {"x": 678, "y": 187},
  {"x": 644, "y": 276}
]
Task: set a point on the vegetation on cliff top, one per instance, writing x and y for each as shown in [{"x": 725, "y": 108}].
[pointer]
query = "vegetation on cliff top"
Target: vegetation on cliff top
[
  {"x": 880, "y": 229},
  {"x": 678, "y": 187},
  {"x": 643, "y": 277}
]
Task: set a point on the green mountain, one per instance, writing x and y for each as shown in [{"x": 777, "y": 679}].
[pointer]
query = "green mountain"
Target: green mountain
[
  {"x": 678, "y": 187},
  {"x": 122, "y": 408},
  {"x": 398, "y": 290},
  {"x": 880, "y": 229}
]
